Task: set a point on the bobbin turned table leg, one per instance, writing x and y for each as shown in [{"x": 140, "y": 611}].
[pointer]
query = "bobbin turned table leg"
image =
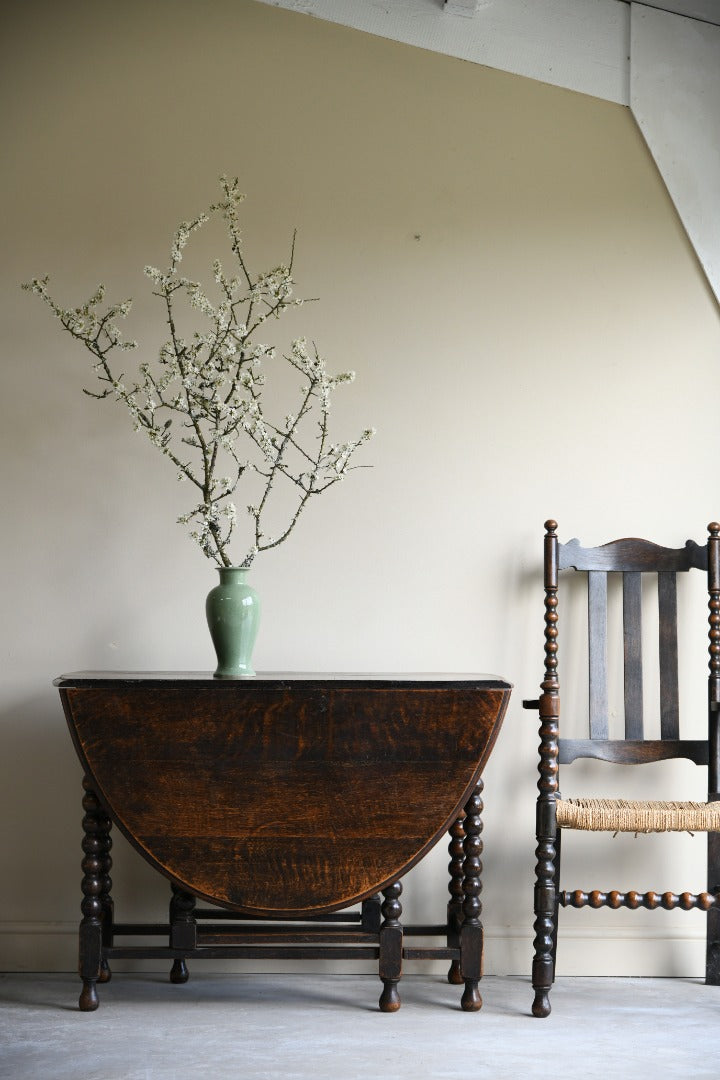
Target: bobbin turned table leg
[
  {"x": 183, "y": 930},
  {"x": 391, "y": 948},
  {"x": 96, "y": 904},
  {"x": 471, "y": 931},
  {"x": 108, "y": 908},
  {"x": 455, "y": 903}
]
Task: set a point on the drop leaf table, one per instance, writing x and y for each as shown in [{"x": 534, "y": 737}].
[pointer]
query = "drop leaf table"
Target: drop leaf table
[{"x": 283, "y": 801}]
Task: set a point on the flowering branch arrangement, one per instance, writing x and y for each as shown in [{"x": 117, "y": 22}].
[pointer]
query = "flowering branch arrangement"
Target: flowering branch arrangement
[{"x": 202, "y": 403}]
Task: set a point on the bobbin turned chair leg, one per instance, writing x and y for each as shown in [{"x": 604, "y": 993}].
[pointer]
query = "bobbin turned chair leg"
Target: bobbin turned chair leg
[
  {"x": 712, "y": 960},
  {"x": 558, "y": 839},
  {"x": 547, "y": 853},
  {"x": 543, "y": 969},
  {"x": 546, "y": 907}
]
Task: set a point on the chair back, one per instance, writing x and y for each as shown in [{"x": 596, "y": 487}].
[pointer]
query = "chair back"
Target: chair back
[{"x": 631, "y": 559}]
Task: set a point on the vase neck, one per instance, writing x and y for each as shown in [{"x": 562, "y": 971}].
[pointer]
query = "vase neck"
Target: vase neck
[{"x": 229, "y": 574}]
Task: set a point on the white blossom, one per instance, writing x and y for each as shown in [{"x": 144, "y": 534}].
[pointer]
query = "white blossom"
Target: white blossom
[{"x": 202, "y": 401}]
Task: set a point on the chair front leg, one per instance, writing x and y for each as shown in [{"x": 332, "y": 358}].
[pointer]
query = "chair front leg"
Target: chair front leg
[
  {"x": 546, "y": 869},
  {"x": 712, "y": 958},
  {"x": 546, "y": 907},
  {"x": 558, "y": 849}
]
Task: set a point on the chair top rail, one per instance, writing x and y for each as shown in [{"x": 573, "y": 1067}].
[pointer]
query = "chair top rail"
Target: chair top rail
[{"x": 631, "y": 554}]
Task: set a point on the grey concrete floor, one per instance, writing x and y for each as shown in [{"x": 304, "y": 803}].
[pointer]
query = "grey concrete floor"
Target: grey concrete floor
[{"x": 294, "y": 1027}]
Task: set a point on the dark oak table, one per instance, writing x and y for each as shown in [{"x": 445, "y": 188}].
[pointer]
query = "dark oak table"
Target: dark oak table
[{"x": 282, "y": 801}]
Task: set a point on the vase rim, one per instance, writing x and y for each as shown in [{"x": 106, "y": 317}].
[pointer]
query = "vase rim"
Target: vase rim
[{"x": 233, "y": 567}]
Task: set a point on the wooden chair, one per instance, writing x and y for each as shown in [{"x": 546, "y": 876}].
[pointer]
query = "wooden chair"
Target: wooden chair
[{"x": 631, "y": 558}]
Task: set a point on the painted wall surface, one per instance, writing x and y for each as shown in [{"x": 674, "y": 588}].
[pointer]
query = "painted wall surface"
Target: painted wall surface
[{"x": 500, "y": 263}]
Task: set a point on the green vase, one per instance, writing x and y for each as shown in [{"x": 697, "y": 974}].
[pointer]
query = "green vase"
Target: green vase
[{"x": 233, "y": 615}]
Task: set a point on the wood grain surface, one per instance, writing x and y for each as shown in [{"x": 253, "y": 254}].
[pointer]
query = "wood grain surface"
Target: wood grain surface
[{"x": 283, "y": 797}]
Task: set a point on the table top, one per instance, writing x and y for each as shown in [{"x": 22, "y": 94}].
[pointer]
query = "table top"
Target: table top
[
  {"x": 204, "y": 678},
  {"x": 286, "y": 794}
]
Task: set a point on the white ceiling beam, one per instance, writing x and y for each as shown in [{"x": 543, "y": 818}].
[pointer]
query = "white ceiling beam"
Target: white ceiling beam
[
  {"x": 705, "y": 10},
  {"x": 580, "y": 45},
  {"x": 584, "y": 45}
]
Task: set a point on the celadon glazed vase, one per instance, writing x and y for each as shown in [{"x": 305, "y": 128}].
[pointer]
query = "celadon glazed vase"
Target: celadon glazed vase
[{"x": 233, "y": 615}]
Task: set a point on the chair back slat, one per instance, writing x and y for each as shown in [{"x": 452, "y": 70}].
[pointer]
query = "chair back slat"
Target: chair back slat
[
  {"x": 597, "y": 635},
  {"x": 632, "y": 654},
  {"x": 669, "y": 699}
]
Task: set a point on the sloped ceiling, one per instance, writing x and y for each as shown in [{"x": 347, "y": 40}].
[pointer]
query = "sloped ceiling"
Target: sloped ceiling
[
  {"x": 675, "y": 99},
  {"x": 706, "y": 10},
  {"x": 660, "y": 58}
]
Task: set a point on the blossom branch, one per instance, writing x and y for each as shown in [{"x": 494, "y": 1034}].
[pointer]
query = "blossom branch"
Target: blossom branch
[{"x": 205, "y": 395}]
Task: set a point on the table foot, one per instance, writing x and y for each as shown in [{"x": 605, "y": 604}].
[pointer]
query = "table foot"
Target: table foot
[
  {"x": 88, "y": 1001},
  {"x": 471, "y": 1000},
  {"x": 454, "y": 976},
  {"x": 179, "y": 972},
  {"x": 390, "y": 998},
  {"x": 541, "y": 1004},
  {"x": 105, "y": 972}
]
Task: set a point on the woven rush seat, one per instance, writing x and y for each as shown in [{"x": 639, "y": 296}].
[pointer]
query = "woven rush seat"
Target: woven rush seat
[{"x": 622, "y": 815}]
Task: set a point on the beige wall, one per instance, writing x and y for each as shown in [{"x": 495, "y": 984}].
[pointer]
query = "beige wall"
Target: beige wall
[{"x": 498, "y": 260}]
